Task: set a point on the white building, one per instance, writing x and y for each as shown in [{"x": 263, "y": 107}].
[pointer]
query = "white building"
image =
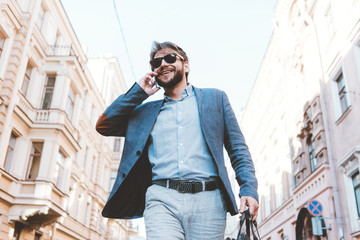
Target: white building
[
  {"x": 302, "y": 121},
  {"x": 55, "y": 169}
]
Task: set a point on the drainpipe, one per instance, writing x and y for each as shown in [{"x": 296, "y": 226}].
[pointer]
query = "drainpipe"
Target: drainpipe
[{"x": 323, "y": 101}]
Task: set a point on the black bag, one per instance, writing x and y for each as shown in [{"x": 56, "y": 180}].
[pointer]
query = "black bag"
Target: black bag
[{"x": 246, "y": 217}]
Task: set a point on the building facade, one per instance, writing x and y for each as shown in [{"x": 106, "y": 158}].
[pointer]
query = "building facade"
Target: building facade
[
  {"x": 55, "y": 170},
  {"x": 302, "y": 122}
]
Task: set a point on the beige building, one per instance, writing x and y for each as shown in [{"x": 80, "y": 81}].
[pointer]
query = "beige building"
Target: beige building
[
  {"x": 55, "y": 170},
  {"x": 302, "y": 122}
]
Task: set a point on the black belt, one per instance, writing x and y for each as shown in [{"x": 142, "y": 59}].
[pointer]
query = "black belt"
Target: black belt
[{"x": 188, "y": 186}]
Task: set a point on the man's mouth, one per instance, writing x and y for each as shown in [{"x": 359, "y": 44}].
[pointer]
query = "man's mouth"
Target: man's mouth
[{"x": 164, "y": 72}]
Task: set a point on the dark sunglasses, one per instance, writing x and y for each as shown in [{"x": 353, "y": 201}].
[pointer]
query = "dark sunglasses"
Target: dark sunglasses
[{"x": 170, "y": 58}]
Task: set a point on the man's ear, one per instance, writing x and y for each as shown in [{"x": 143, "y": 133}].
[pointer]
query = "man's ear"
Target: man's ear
[{"x": 186, "y": 67}]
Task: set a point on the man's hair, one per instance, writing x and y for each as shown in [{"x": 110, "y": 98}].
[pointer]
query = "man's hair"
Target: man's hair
[{"x": 157, "y": 46}]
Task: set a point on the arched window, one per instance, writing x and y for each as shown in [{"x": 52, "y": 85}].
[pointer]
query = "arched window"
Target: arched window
[{"x": 304, "y": 228}]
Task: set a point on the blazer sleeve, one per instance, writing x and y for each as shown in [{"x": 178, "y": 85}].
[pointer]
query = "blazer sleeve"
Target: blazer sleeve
[
  {"x": 238, "y": 152},
  {"x": 113, "y": 122}
]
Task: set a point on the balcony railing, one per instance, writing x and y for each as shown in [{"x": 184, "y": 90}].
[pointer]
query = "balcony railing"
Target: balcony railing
[
  {"x": 61, "y": 50},
  {"x": 39, "y": 116},
  {"x": 42, "y": 116}
]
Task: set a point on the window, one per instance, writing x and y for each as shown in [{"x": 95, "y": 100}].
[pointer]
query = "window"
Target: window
[
  {"x": 329, "y": 19},
  {"x": 85, "y": 157},
  {"x": 356, "y": 183},
  {"x": 70, "y": 103},
  {"x": 72, "y": 194},
  {"x": 112, "y": 179},
  {"x": 57, "y": 41},
  {"x": 267, "y": 206},
  {"x": 272, "y": 198},
  {"x": 38, "y": 235},
  {"x": 286, "y": 185},
  {"x": 48, "y": 91},
  {"x": 34, "y": 160},
  {"x": 349, "y": 166},
  {"x": 24, "y": 4},
  {"x": 342, "y": 93},
  {"x": 99, "y": 220},
  {"x": 279, "y": 195},
  {"x": 88, "y": 213},
  {"x": 59, "y": 169},
  {"x": 93, "y": 170},
  {"x": 9, "y": 152},
  {"x": 85, "y": 101},
  {"x": 40, "y": 19},
  {"x": 2, "y": 42},
  {"x": 308, "y": 114},
  {"x": 17, "y": 231},
  {"x": 311, "y": 151},
  {"x": 79, "y": 206},
  {"x": 26, "y": 81},
  {"x": 105, "y": 177},
  {"x": 117, "y": 142},
  {"x": 92, "y": 114}
]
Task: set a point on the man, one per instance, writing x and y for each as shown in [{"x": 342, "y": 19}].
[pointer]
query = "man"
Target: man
[{"x": 172, "y": 169}]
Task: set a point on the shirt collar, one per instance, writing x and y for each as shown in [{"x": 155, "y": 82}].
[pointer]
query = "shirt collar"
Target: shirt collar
[{"x": 188, "y": 91}]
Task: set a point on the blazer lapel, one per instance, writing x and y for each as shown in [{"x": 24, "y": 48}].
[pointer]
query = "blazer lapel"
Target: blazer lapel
[
  {"x": 202, "y": 112},
  {"x": 199, "y": 98},
  {"x": 151, "y": 115},
  {"x": 206, "y": 118}
]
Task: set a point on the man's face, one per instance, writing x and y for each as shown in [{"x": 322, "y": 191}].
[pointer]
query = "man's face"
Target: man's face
[{"x": 170, "y": 74}]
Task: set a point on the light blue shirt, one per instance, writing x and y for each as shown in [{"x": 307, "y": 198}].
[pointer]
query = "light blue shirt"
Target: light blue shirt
[{"x": 177, "y": 147}]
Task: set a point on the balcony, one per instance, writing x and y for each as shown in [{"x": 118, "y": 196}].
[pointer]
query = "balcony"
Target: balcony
[
  {"x": 54, "y": 118},
  {"x": 34, "y": 203},
  {"x": 60, "y": 51}
]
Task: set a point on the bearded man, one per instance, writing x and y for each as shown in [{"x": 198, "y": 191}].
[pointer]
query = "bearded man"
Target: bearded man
[{"x": 172, "y": 169}]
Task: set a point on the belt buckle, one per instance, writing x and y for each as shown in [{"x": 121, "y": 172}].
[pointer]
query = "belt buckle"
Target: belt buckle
[
  {"x": 185, "y": 187},
  {"x": 189, "y": 187}
]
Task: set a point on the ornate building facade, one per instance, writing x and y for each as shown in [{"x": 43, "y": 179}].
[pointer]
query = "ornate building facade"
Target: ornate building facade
[
  {"x": 55, "y": 170},
  {"x": 302, "y": 122}
]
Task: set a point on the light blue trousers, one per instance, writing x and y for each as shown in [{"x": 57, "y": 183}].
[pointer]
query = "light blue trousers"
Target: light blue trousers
[{"x": 170, "y": 215}]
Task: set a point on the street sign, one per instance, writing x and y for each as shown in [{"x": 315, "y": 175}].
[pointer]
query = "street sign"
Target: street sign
[
  {"x": 315, "y": 208},
  {"x": 317, "y": 226}
]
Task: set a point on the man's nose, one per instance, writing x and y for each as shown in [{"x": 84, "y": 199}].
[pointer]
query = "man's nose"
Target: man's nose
[{"x": 163, "y": 62}]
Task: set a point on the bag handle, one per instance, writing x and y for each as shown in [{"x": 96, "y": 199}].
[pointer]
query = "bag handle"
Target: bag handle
[{"x": 246, "y": 217}]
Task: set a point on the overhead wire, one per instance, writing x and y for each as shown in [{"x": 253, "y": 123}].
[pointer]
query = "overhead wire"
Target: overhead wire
[{"x": 124, "y": 40}]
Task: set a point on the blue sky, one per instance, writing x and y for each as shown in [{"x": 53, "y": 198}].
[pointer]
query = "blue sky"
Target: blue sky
[{"x": 225, "y": 40}]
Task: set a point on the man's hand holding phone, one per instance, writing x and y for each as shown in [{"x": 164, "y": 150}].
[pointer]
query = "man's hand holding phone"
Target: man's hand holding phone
[{"x": 148, "y": 83}]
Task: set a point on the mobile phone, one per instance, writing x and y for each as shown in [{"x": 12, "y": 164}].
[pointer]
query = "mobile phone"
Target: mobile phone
[{"x": 156, "y": 82}]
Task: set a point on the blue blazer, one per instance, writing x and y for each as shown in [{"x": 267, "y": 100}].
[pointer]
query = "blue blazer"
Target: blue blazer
[{"x": 128, "y": 117}]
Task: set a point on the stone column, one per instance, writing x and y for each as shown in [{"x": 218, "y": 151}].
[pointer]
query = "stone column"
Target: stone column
[
  {"x": 77, "y": 110},
  {"x": 48, "y": 159},
  {"x": 35, "y": 89},
  {"x": 38, "y": 83},
  {"x": 65, "y": 184},
  {"x": 61, "y": 90}
]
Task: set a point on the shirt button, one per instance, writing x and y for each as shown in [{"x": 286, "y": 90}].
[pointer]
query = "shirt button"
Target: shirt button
[
  {"x": 180, "y": 144},
  {"x": 138, "y": 153},
  {"x": 181, "y": 162},
  {"x": 123, "y": 175},
  {"x": 180, "y": 127}
]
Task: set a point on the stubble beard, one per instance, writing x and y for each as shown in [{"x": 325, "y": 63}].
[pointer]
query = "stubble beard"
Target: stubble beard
[{"x": 173, "y": 81}]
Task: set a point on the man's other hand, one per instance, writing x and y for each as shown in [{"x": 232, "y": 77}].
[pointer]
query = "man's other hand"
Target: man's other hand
[{"x": 251, "y": 203}]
